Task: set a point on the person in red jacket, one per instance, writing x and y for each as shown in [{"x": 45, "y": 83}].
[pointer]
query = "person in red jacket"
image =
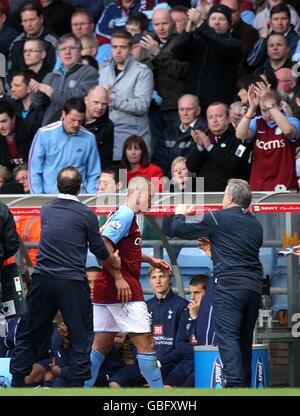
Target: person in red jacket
[{"x": 135, "y": 159}]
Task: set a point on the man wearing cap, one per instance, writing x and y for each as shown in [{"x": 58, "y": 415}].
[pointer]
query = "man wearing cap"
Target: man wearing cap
[{"x": 213, "y": 54}]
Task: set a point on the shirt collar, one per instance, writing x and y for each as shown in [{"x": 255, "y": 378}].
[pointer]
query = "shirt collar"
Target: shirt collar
[
  {"x": 189, "y": 127},
  {"x": 68, "y": 196}
]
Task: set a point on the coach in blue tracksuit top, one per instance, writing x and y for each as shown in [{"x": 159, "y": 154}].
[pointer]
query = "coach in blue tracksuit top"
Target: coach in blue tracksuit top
[
  {"x": 59, "y": 282},
  {"x": 236, "y": 237}
]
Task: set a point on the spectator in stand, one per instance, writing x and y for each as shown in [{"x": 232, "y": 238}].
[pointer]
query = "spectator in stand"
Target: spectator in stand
[
  {"x": 278, "y": 56},
  {"x": 95, "y": 7},
  {"x": 280, "y": 22},
  {"x": 5, "y": 175},
  {"x": 130, "y": 86},
  {"x": 241, "y": 31},
  {"x": 177, "y": 138},
  {"x": 20, "y": 175},
  {"x": 115, "y": 16},
  {"x": 244, "y": 84},
  {"x": 32, "y": 20},
  {"x": 275, "y": 137},
  {"x": 97, "y": 122},
  {"x": 61, "y": 144},
  {"x": 7, "y": 34},
  {"x": 112, "y": 183},
  {"x": 209, "y": 46},
  {"x": 35, "y": 54},
  {"x": 82, "y": 23},
  {"x": 287, "y": 83},
  {"x": 236, "y": 112},
  {"x": 72, "y": 80},
  {"x": 135, "y": 159},
  {"x": 136, "y": 25},
  {"x": 264, "y": 16},
  {"x": 180, "y": 18},
  {"x": 165, "y": 310},
  {"x": 217, "y": 154},
  {"x": 57, "y": 15},
  {"x": 169, "y": 73},
  {"x": 20, "y": 92},
  {"x": 181, "y": 176},
  {"x": 109, "y": 181},
  {"x": 89, "y": 45},
  {"x": 15, "y": 137}
]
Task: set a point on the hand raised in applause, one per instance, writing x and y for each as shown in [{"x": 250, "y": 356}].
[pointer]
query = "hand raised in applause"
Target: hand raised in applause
[
  {"x": 201, "y": 138},
  {"x": 151, "y": 45},
  {"x": 195, "y": 19}
]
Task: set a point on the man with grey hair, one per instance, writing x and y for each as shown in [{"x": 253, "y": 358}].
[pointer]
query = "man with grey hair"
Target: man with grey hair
[
  {"x": 177, "y": 138},
  {"x": 235, "y": 237},
  {"x": 71, "y": 80}
]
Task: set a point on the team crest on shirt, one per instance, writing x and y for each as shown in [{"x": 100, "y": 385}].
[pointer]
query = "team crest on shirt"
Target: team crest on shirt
[
  {"x": 170, "y": 313},
  {"x": 158, "y": 330},
  {"x": 115, "y": 225}
]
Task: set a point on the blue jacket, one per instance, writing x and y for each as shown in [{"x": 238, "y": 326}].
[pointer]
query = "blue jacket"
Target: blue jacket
[
  {"x": 165, "y": 315},
  {"x": 114, "y": 17},
  {"x": 236, "y": 237},
  {"x": 53, "y": 149},
  {"x": 258, "y": 55}
]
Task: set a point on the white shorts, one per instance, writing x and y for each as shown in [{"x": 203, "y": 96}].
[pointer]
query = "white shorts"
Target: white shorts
[{"x": 131, "y": 317}]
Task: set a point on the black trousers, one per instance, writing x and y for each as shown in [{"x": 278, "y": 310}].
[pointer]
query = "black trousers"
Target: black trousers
[
  {"x": 46, "y": 296},
  {"x": 234, "y": 314}
]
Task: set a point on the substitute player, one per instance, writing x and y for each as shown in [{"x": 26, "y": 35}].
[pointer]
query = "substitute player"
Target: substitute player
[{"x": 119, "y": 304}]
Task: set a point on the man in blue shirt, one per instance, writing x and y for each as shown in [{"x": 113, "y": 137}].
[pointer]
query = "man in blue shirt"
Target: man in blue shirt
[
  {"x": 61, "y": 144},
  {"x": 59, "y": 281},
  {"x": 236, "y": 237}
]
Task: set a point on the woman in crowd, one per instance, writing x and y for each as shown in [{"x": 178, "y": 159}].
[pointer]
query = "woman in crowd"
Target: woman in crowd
[{"x": 135, "y": 159}]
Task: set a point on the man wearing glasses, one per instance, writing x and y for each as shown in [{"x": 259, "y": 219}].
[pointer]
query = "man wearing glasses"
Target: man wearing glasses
[
  {"x": 71, "y": 80},
  {"x": 32, "y": 21},
  {"x": 35, "y": 58}
]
